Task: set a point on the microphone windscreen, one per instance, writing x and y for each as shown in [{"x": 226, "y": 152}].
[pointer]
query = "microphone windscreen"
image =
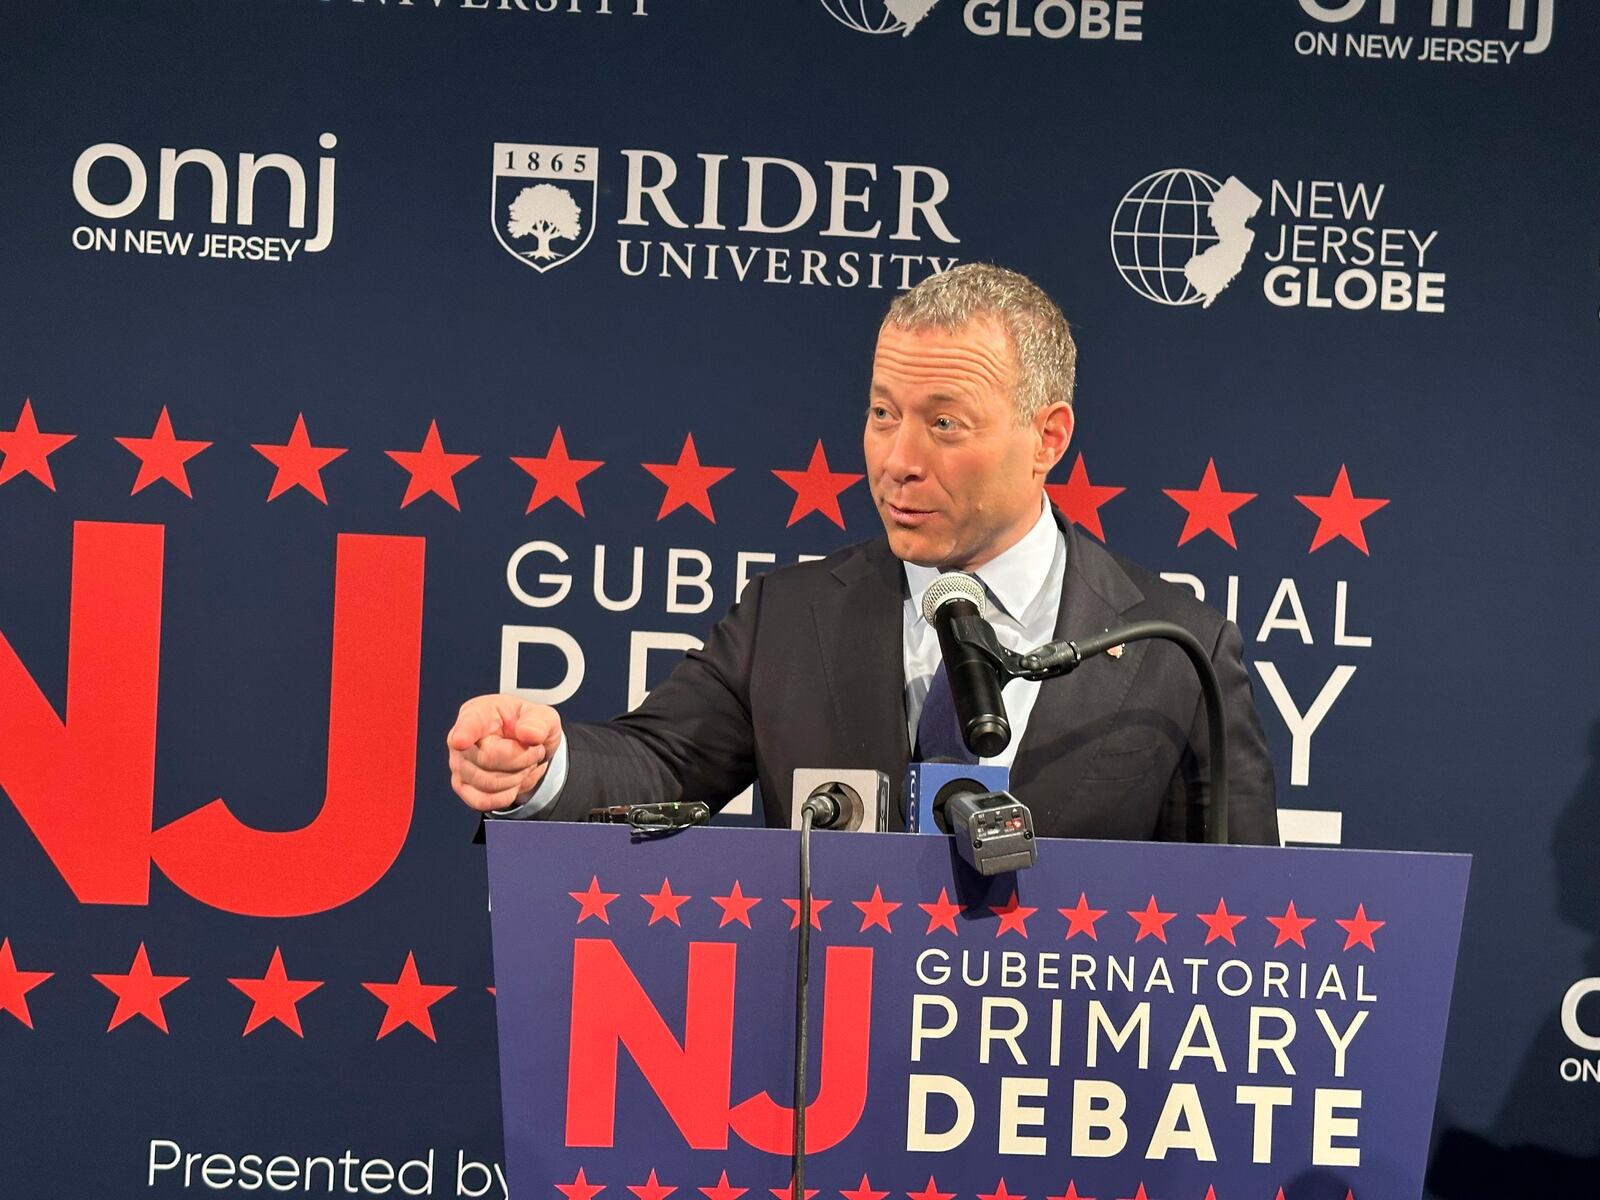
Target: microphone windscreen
[{"x": 953, "y": 585}]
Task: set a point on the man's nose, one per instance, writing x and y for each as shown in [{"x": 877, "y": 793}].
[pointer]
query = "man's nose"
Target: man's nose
[{"x": 907, "y": 453}]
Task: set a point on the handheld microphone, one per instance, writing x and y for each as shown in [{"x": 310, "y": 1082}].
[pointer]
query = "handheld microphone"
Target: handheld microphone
[{"x": 974, "y": 682}]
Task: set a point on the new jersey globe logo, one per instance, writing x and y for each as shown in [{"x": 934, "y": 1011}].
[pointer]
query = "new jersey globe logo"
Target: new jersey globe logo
[
  {"x": 879, "y": 16},
  {"x": 1179, "y": 237}
]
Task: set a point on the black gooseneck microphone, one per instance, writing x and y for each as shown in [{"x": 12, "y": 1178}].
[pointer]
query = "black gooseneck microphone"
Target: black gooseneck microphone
[
  {"x": 951, "y": 601},
  {"x": 965, "y": 636}
]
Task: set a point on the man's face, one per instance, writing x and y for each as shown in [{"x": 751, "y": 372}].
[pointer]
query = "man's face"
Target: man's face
[{"x": 955, "y": 479}]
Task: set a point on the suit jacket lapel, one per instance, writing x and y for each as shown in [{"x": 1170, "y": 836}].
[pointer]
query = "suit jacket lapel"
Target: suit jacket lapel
[
  {"x": 1072, "y": 713},
  {"x": 859, "y": 630},
  {"x": 860, "y": 635}
]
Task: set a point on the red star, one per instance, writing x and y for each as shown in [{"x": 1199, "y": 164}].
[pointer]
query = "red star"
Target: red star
[
  {"x": 592, "y": 903},
  {"x": 1220, "y": 924},
  {"x": 687, "y": 481},
  {"x": 555, "y": 476},
  {"x": 723, "y": 1190},
  {"x": 275, "y": 996},
  {"x": 816, "y": 911},
  {"x": 664, "y": 905},
  {"x": 1080, "y": 500},
  {"x": 1013, "y": 916},
  {"x": 1340, "y": 513},
  {"x": 139, "y": 992},
  {"x": 580, "y": 1188},
  {"x": 1071, "y": 1193},
  {"x": 1211, "y": 1193},
  {"x": 941, "y": 913},
  {"x": 1081, "y": 918},
  {"x": 1152, "y": 922},
  {"x": 1000, "y": 1193},
  {"x": 1139, "y": 1195},
  {"x": 409, "y": 1000},
  {"x": 1291, "y": 927},
  {"x": 817, "y": 489},
  {"x": 15, "y": 985},
  {"x": 1359, "y": 928},
  {"x": 876, "y": 910},
  {"x": 1209, "y": 507},
  {"x": 651, "y": 1189},
  {"x": 26, "y": 449},
  {"x": 864, "y": 1190},
  {"x": 299, "y": 463},
  {"x": 931, "y": 1192},
  {"x": 432, "y": 469},
  {"x": 787, "y": 1193},
  {"x": 161, "y": 456},
  {"x": 736, "y": 906}
]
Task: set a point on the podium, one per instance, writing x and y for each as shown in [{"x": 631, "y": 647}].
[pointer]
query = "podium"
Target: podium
[{"x": 1123, "y": 1021}]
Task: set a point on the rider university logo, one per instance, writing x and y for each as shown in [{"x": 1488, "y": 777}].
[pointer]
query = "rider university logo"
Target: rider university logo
[
  {"x": 1179, "y": 237},
  {"x": 543, "y": 201}
]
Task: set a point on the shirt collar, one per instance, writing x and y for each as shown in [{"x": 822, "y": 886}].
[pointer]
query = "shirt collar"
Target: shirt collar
[{"x": 1013, "y": 578}]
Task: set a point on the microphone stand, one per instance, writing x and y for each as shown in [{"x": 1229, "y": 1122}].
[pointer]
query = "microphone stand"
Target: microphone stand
[
  {"x": 822, "y": 807},
  {"x": 1062, "y": 658}
]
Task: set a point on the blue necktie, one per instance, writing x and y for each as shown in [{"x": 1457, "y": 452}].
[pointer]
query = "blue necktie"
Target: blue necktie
[{"x": 938, "y": 731}]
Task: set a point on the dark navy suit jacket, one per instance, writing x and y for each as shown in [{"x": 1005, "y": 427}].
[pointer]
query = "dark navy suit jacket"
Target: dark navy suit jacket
[{"x": 807, "y": 670}]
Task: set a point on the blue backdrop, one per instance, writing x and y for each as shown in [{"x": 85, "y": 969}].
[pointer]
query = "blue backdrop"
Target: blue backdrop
[{"x": 481, "y": 246}]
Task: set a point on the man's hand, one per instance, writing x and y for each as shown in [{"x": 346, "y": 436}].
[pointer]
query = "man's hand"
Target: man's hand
[{"x": 500, "y": 748}]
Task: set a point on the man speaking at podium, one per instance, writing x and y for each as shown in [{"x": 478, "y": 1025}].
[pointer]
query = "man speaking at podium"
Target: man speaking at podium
[{"x": 831, "y": 664}]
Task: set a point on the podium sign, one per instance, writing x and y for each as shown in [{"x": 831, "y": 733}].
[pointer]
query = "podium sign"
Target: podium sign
[{"x": 1124, "y": 1020}]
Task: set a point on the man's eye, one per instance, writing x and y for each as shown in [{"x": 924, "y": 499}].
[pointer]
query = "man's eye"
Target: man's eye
[{"x": 944, "y": 424}]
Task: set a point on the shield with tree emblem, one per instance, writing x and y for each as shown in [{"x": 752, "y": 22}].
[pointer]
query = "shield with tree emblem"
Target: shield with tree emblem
[{"x": 543, "y": 202}]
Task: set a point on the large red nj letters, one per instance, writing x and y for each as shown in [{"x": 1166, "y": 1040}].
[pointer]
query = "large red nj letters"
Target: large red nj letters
[
  {"x": 86, "y": 785},
  {"x": 693, "y": 1081}
]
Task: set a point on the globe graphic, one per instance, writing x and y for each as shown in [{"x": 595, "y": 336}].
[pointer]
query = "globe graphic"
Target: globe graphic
[
  {"x": 864, "y": 16},
  {"x": 1160, "y": 225}
]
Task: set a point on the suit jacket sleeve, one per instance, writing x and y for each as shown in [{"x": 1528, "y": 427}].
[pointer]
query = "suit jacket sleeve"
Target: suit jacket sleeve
[
  {"x": 691, "y": 739},
  {"x": 1252, "y": 809}
]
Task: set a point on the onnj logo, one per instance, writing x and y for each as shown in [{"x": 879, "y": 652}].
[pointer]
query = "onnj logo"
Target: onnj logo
[
  {"x": 1180, "y": 237},
  {"x": 112, "y": 182},
  {"x": 542, "y": 201},
  {"x": 879, "y": 16},
  {"x": 1460, "y": 17},
  {"x": 1585, "y": 1038}
]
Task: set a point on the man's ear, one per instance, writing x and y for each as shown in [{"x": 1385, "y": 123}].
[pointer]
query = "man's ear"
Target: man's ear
[{"x": 1053, "y": 425}]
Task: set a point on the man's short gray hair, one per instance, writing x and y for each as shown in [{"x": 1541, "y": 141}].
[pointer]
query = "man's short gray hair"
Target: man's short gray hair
[{"x": 1047, "y": 357}]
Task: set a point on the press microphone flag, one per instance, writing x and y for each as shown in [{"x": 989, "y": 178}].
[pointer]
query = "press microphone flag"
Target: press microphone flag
[
  {"x": 930, "y": 786},
  {"x": 853, "y": 800}
]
